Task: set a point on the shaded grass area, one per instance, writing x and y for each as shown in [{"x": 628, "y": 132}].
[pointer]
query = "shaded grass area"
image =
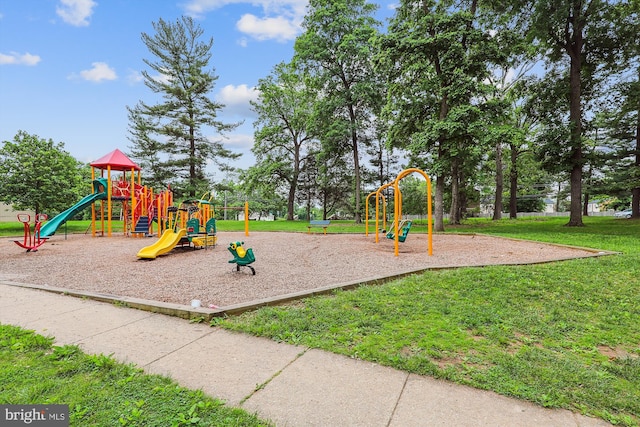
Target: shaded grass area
[
  {"x": 99, "y": 390},
  {"x": 15, "y": 228},
  {"x": 563, "y": 335}
]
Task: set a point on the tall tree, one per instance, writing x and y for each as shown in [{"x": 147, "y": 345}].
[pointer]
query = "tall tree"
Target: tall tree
[
  {"x": 621, "y": 137},
  {"x": 626, "y": 118},
  {"x": 437, "y": 55},
  {"x": 579, "y": 37},
  {"x": 336, "y": 50},
  {"x": 525, "y": 120},
  {"x": 383, "y": 161},
  {"x": 39, "y": 174},
  {"x": 333, "y": 181},
  {"x": 506, "y": 130},
  {"x": 283, "y": 133},
  {"x": 173, "y": 132}
]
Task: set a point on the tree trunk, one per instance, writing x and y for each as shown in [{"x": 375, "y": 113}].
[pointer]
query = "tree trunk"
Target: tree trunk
[
  {"x": 439, "y": 204},
  {"x": 291, "y": 199},
  {"x": 585, "y": 205},
  {"x": 325, "y": 202},
  {"x": 497, "y": 205},
  {"x": 308, "y": 203},
  {"x": 192, "y": 160},
  {"x": 454, "y": 215},
  {"x": 294, "y": 182},
  {"x": 635, "y": 192},
  {"x": 356, "y": 167},
  {"x": 513, "y": 184},
  {"x": 574, "y": 49},
  {"x": 455, "y": 193}
]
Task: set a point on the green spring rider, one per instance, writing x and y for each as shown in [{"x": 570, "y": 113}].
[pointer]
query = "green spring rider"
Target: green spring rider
[{"x": 241, "y": 257}]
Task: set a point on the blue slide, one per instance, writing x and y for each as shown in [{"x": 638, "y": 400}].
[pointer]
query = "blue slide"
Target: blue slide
[{"x": 49, "y": 228}]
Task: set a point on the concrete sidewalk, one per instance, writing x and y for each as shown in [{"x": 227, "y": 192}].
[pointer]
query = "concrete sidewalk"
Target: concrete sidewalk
[{"x": 290, "y": 385}]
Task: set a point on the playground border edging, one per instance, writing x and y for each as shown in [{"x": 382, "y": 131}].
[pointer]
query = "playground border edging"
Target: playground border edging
[{"x": 207, "y": 314}]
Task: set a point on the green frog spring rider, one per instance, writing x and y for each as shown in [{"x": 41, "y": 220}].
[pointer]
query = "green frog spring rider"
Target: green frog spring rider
[{"x": 241, "y": 257}]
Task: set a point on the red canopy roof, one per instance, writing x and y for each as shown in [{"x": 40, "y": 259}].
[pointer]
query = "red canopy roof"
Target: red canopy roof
[{"x": 117, "y": 160}]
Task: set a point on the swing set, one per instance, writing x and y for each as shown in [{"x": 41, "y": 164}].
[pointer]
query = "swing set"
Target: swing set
[{"x": 399, "y": 228}]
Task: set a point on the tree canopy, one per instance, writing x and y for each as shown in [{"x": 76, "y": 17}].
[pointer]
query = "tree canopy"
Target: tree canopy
[
  {"x": 283, "y": 130},
  {"x": 335, "y": 49},
  {"x": 39, "y": 175},
  {"x": 471, "y": 91},
  {"x": 170, "y": 138}
]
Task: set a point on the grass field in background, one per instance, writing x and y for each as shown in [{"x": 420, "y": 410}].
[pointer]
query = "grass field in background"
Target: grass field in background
[
  {"x": 84, "y": 227},
  {"x": 563, "y": 335}
]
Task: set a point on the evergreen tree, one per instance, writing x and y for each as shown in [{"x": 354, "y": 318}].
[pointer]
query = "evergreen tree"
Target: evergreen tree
[
  {"x": 580, "y": 40},
  {"x": 171, "y": 136}
]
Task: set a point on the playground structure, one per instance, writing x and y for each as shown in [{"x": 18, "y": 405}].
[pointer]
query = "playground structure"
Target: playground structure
[
  {"x": 192, "y": 224},
  {"x": 404, "y": 227},
  {"x": 400, "y": 228},
  {"x": 241, "y": 257},
  {"x": 140, "y": 207},
  {"x": 32, "y": 241}
]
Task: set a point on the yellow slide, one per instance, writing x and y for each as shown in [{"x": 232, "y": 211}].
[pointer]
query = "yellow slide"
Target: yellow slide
[{"x": 168, "y": 241}]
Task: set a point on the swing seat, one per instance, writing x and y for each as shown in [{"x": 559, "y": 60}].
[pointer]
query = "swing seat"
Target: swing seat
[{"x": 404, "y": 228}]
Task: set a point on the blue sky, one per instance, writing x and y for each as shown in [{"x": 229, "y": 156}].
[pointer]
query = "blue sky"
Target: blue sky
[{"x": 69, "y": 68}]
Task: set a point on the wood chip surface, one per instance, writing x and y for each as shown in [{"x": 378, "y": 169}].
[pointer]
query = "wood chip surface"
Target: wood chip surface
[{"x": 285, "y": 263}]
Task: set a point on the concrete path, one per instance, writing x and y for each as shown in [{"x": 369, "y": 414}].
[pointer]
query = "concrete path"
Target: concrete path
[{"x": 290, "y": 385}]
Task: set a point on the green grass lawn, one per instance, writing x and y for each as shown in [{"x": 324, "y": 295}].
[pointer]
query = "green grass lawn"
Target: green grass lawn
[
  {"x": 563, "y": 335},
  {"x": 99, "y": 390}
]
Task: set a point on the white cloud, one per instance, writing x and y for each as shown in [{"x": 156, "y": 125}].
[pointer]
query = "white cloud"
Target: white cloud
[
  {"x": 161, "y": 78},
  {"x": 278, "y": 28},
  {"x": 281, "y": 19},
  {"x": 236, "y": 99},
  {"x": 134, "y": 77},
  {"x": 100, "y": 71},
  {"x": 76, "y": 12},
  {"x": 238, "y": 142},
  {"x": 19, "y": 59}
]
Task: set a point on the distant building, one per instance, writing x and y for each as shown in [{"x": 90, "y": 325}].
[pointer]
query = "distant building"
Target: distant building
[
  {"x": 594, "y": 206},
  {"x": 257, "y": 216},
  {"x": 549, "y": 205},
  {"x": 8, "y": 214}
]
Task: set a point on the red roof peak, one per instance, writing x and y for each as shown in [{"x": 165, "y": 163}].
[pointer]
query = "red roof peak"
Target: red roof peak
[{"x": 117, "y": 160}]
